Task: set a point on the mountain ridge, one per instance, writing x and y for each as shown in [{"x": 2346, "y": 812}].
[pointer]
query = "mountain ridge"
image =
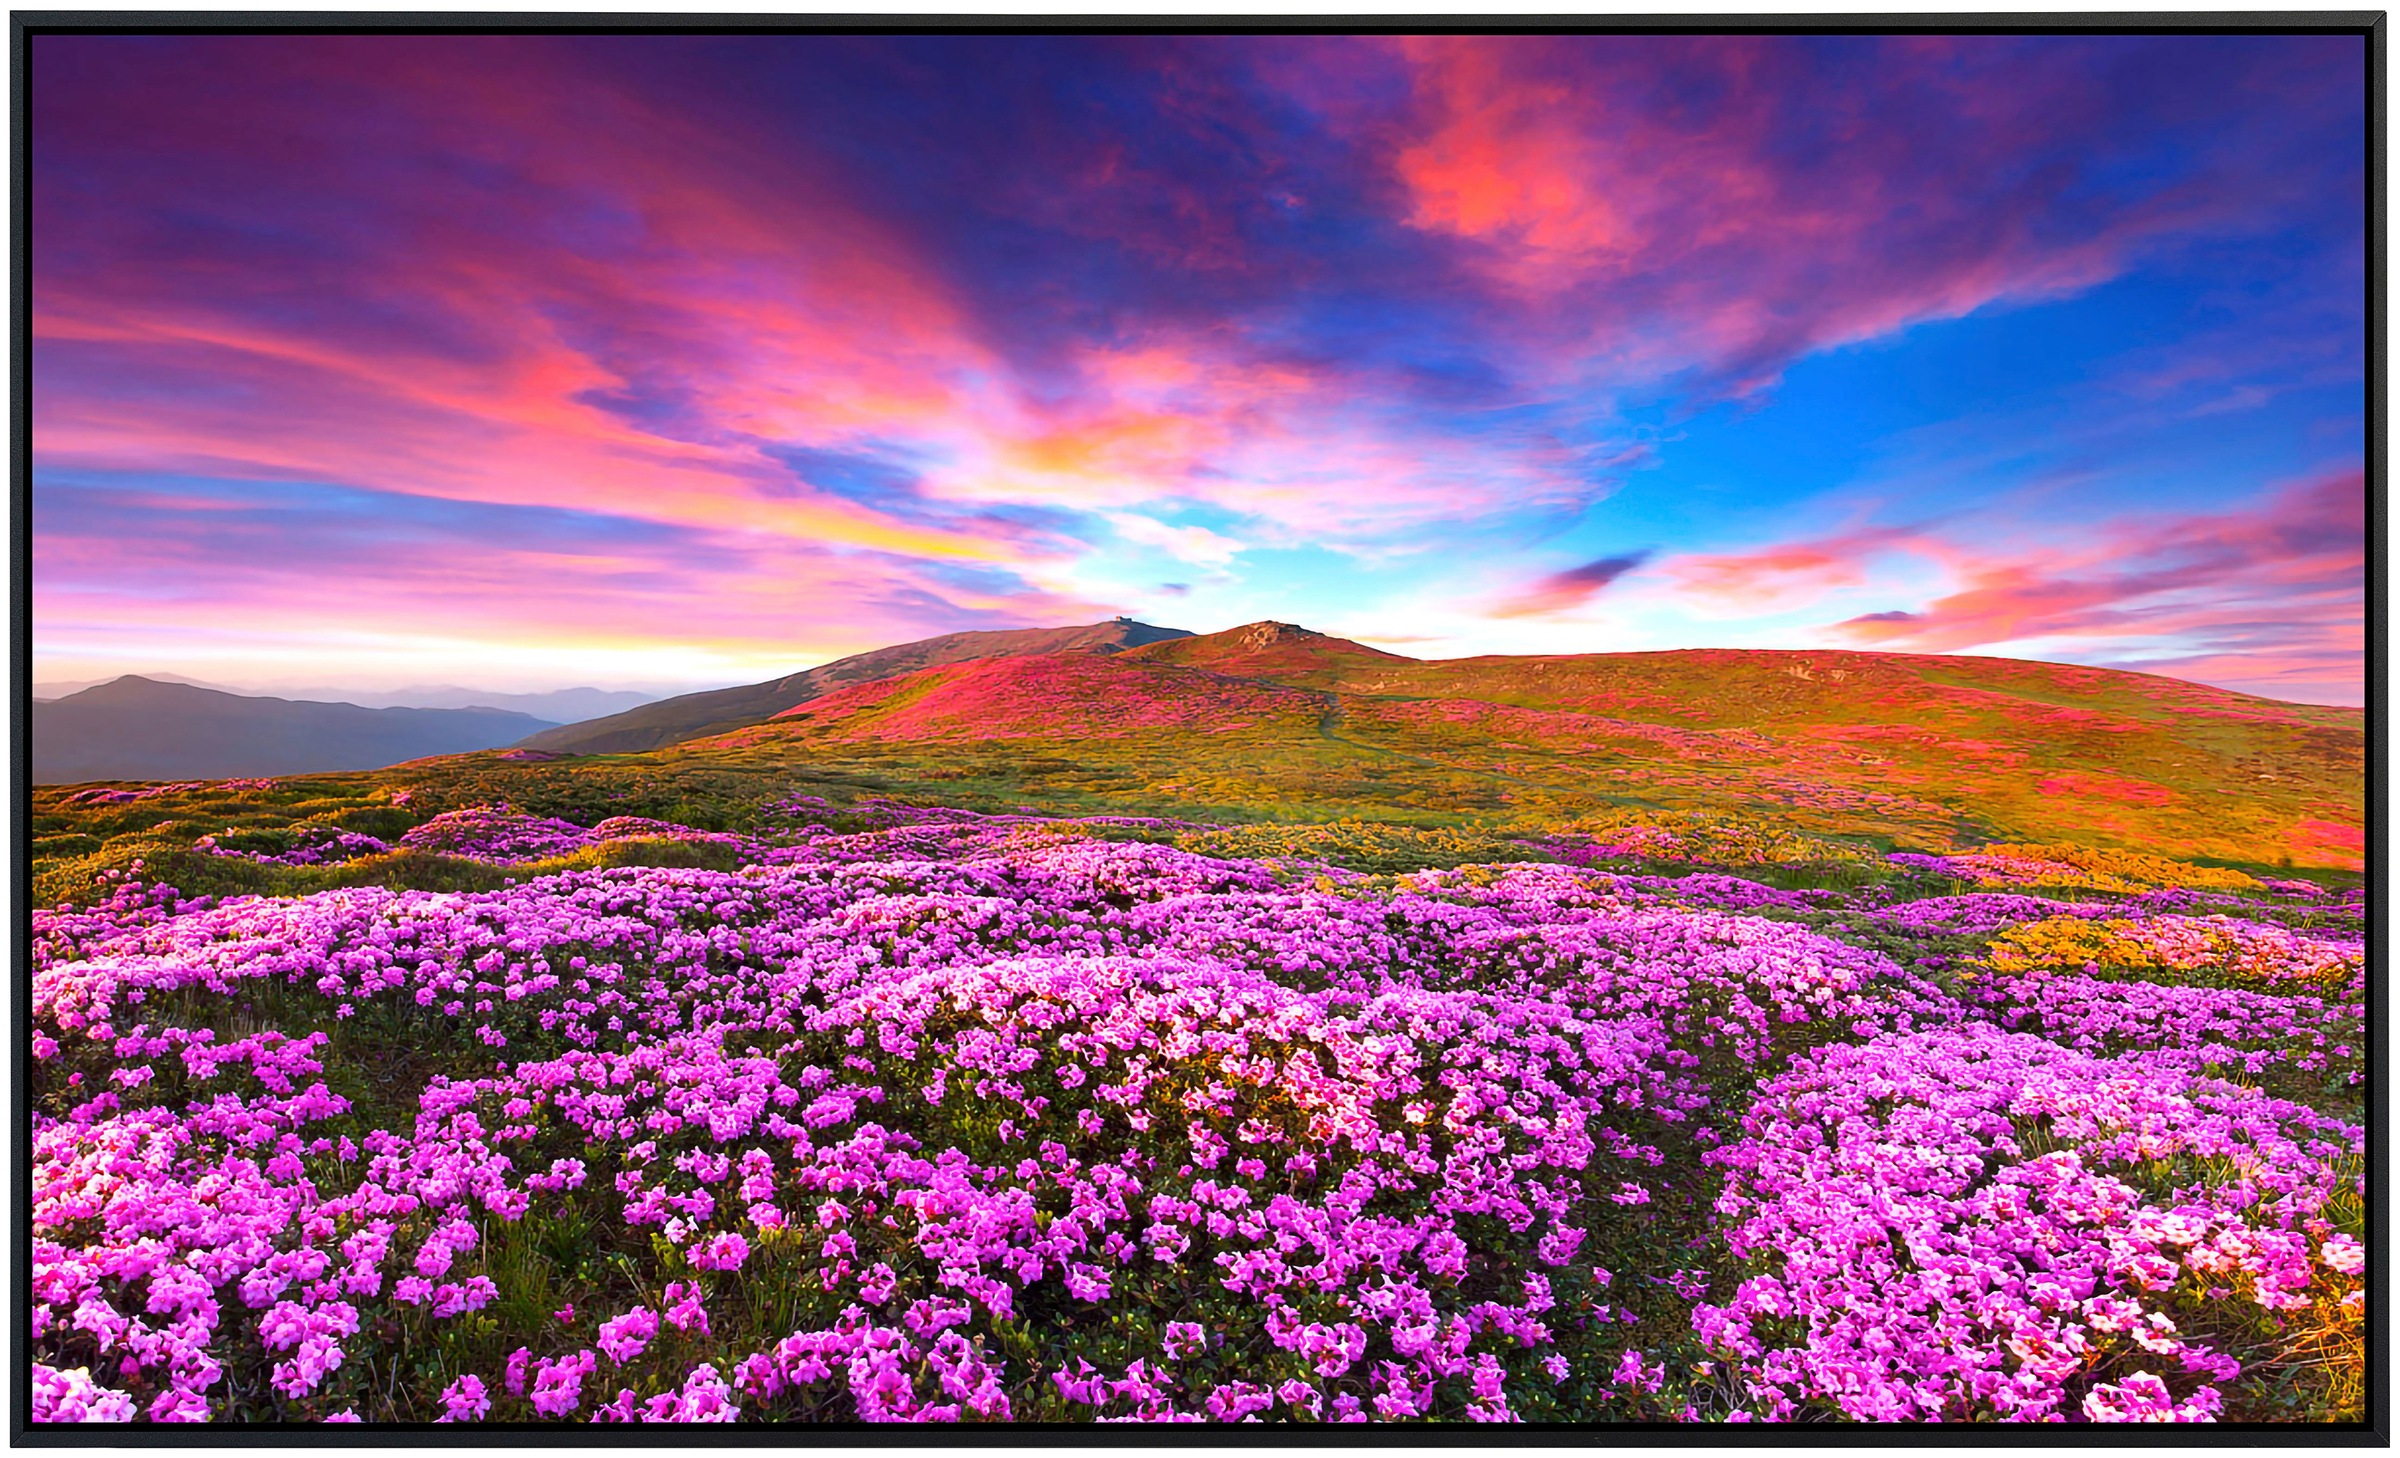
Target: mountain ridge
[
  {"x": 1923, "y": 749},
  {"x": 551, "y": 706},
  {"x": 1270, "y": 719},
  {"x": 134, "y": 728},
  {"x": 1264, "y": 649},
  {"x": 715, "y": 711}
]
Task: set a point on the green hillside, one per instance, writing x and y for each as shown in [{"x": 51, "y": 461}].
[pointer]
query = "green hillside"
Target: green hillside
[
  {"x": 1914, "y": 750},
  {"x": 1273, "y": 724}
]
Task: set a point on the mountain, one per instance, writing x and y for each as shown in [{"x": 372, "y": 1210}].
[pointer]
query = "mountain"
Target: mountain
[
  {"x": 1274, "y": 721},
  {"x": 557, "y": 706},
  {"x": 691, "y": 716},
  {"x": 47, "y": 692},
  {"x": 1033, "y": 697},
  {"x": 136, "y": 728},
  {"x": 1268, "y": 650},
  {"x": 1913, "y": 750}
]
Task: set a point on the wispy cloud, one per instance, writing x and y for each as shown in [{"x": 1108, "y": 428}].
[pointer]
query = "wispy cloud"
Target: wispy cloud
[
  {"x": 1194, "y": 544},
  {"x": 1787, "y": 574},
  {"x": 698, "y": 341},
  {"x": 1564, "y": 591},
  {"x": 1730, "y": 204},
  {"x": 2272, "y": 596}
]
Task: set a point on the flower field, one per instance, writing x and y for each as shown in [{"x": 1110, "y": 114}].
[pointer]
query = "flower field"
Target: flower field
[{"x": 903, "y": 1113}]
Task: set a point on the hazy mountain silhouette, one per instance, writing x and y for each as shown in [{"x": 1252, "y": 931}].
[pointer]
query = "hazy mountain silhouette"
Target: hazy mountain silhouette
[
  {"x": 45, "y": 692},
  {"x": 556, "y": 706},
  {"x": 553, "y": 706},
  {"x": 136, "y": 728}
]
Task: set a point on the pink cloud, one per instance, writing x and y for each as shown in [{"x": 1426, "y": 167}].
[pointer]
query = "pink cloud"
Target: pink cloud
[
  {"x": 1781, "y": 574},
  {"x": 776, "y": 313},
  {"x": 1659, "y": 202},
  {"x": 285, "y": 572},
  {"x": 2272, "y": 597},
  {"x": 738, "y": 297},
  {"x": 1312, "y": 452}
]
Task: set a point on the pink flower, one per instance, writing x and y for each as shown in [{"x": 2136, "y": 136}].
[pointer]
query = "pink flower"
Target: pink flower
[
  {"x": 684, "y": 1310},
  {"x": 558, "y": 1385},
  {"x": 625, "y": 1337},
  {"x": 722, "y": 1252},
  {"x": 1181, "y": 1339},
  {"x": 465, "y": 1399}
]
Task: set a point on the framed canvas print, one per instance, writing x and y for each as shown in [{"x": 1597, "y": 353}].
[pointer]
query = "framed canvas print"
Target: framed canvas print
[{"x": 1649, "y": 726}]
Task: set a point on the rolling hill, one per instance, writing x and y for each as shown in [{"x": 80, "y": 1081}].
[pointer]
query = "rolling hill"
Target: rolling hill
[
  {"x": 1268, "y": 650},
  {"x": 135, "y": 728},
  {"x": 692, "y": 716},
  {"x": 1272, "y": 722},
  {"x": 1926, "y": 751}
]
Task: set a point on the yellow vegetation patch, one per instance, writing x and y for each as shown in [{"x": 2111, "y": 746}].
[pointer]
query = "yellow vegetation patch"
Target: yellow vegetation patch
[
  {"x": 1359, "y": 845},
  {"x": 2097, "y": 869},
  {"x": 1715, "y": 839},
  {"x": 2247, "y": 951}
]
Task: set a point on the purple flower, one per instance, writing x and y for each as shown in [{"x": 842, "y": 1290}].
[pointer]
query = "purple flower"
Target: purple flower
[
  {"x": 623, "y": 1338},
  {"x": 465, "y": 1400},
  {"x": 722, "y": 1252}
]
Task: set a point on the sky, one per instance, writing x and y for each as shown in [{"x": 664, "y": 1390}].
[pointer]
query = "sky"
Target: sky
[{"x": 528, "y": 362}]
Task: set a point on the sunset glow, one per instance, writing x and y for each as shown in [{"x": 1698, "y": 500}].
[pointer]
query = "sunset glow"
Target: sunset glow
[{"x": 533, "y": 361}]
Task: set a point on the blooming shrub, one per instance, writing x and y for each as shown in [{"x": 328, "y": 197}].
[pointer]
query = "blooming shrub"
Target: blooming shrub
[
  {"x": 2298, "y": 1045},
  {"x": 1969, "y": 1223},
  {"x": 928, "y": 1115},
  {"x": 109, "y": 795},
  {"x": 496, "y": 833},
  {"x": 303, "y": 845}
]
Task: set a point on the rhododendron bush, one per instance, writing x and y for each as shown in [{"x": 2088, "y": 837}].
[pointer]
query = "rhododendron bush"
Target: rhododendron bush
[
  {"x": 1965, "y": 1222},
  {"x": 957, "y": 1117}
]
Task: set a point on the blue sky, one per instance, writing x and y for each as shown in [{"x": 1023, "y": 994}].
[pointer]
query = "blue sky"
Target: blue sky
[{"x": 528, "y": 361}]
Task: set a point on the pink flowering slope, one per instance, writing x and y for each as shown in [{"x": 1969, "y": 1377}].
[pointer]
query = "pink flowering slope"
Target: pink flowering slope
[
  {"x": 1027, "y": 697},
  {"x": 958, "y": 1117},
  {"x": 1968, "y": 1223}
]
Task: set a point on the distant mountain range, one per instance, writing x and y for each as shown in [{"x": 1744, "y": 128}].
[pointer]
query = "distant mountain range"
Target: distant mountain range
[
  {"x": 136, "y": 728},
  {"x": 45, "y": 692},
  {"x": 694, "y": 716},
  {"x": 165, "y": 726},
  {"x": 558, "y": 706}
]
